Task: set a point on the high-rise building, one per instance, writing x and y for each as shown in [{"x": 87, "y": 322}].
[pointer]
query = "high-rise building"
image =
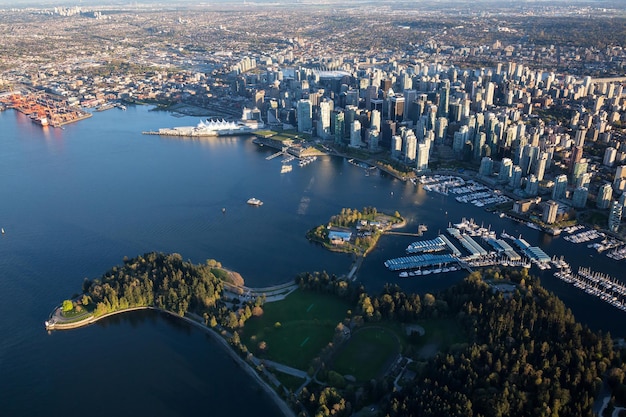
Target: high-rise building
[
  {"x": 532, "y": 186},
  {"x": 542, "y": 163},
  {"x": 579, "y": 138},
  {"x": 355, "y": 134},
  {"x": 577, "y": 155},
  {"x": 480, "y": 139},
  {"x": 323, "y": 124},
  {"x": 389, "y": 130},
  {"x": 580, "y": 168},
  {"x": 339, "y": 127},
  {"x": 396, "y": 108},
  {"x": 423, "y": 151},
  {"x": 372, "y": 143},
  {"x": 489, "y": 93},
  {"x": 506, "y": 168},
  {"x": 396, "y": 146},
  {"x": 605, "y": 194},
  {"x": 615, "y": 216},
  {"x": 584, "y": 180},
  {"x": 620, "y": 178},
  {"x": 579, "y": 198},
  {"x": 441, "y": 129},
  {"x": 305, "y": 114},
  {"x": 375, "y": 120},
  {"x": 350, "y": 115},
  {"x": 410, "y": 146},
  {"x": 486, "y": 167},
  {"x": 560, "y": 187},
  {"x": 444, "y": 99},
  {"x": 460, "y": 137},
  {"x": 516, "y": 177},
  {"x": 550, "y": 210}
]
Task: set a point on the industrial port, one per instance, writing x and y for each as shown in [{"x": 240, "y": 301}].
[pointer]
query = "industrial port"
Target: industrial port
[{"x": 44, "y": 109}]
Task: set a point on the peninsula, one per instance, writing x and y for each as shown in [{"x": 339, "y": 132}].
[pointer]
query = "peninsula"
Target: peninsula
[{"x": 331, "y": 346}]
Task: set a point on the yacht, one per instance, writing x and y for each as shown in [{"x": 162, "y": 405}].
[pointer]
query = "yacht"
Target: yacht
[{"x": 255, "y": 202}]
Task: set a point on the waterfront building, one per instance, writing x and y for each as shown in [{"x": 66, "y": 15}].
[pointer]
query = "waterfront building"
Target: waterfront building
[
  {"x": 532, "y": 186},
  {"x": 389, "y": 130},
  {"x": 579, "y": 198},
  {"x": 486, "y": 167},
  {"x": 396, "y": 146},
  {"x": 409, "y": 144},
  {"x": 373, "y": 138},
  {"x": 323, "y": 125},
  {"x": 560, "y": 187},
  {"x": 550, "y": 210},
  {"x": 339, "y": 127},
  {"x": 423, "y": 151},
  {"x": 605, "y": 194},
  {"x": 460, "y": 138},
  {"x": 305, "y": 114},
  {"x": 609, "y": 156},
  {"x": 506, "y": 168},
  {"x": 615, "y": 216},
  {"x": 355, "y": 134},
  {"x": 516, "y": 177}
]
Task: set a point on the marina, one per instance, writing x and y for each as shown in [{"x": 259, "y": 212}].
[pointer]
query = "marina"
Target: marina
[
  {"x": 482, "y": 246},
  {"x": 598, "y": 284},
  {"x": 466, "y": 191}
]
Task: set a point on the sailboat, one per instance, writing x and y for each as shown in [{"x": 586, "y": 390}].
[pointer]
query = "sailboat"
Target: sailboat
[{"x": 2, "y": 230}]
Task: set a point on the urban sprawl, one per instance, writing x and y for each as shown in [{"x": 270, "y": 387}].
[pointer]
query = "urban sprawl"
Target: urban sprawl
[{"x": 528, "y": 99}]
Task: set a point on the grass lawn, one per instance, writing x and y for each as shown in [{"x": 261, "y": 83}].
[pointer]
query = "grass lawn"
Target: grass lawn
[
  {"x": 367, "y": 354},
  {"x": 307, "y": 323}
]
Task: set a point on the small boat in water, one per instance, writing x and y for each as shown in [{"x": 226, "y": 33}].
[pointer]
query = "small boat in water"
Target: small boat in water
[
  {"x": 3, "y": 230},
  {"x": 255, "y": 202}
]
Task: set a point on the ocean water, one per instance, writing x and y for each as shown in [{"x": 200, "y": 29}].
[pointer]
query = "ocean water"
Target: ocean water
[{"x": 75, "y": 201}]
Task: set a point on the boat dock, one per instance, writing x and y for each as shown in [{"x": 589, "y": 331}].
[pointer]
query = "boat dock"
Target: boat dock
[{"x": 600, "y": 285}]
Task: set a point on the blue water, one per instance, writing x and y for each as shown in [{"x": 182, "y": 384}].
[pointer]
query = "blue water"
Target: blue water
[{"x": 75, "y": 201}]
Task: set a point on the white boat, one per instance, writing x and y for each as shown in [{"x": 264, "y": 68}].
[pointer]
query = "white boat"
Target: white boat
[
  {"x": 255, "y": 202},
  {"x": 286, "y": 168},
  {"x": 404, "y": 274},
  {"x": 3, "y": 230}
]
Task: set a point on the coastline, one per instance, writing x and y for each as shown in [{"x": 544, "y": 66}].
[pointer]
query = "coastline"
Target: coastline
[{"x": 280, "y": 403}]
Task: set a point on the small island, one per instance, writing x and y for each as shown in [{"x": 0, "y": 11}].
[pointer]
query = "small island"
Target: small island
[{"x": 354, "y": 231}]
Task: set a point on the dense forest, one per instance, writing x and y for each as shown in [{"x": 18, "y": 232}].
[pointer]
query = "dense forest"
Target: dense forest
[
  {"x": 527, "y": 356},
  {"x": 169, "y": 283}
]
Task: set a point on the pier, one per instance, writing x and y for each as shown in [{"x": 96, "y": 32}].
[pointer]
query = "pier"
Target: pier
[{"x": 275, "y": 155}]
